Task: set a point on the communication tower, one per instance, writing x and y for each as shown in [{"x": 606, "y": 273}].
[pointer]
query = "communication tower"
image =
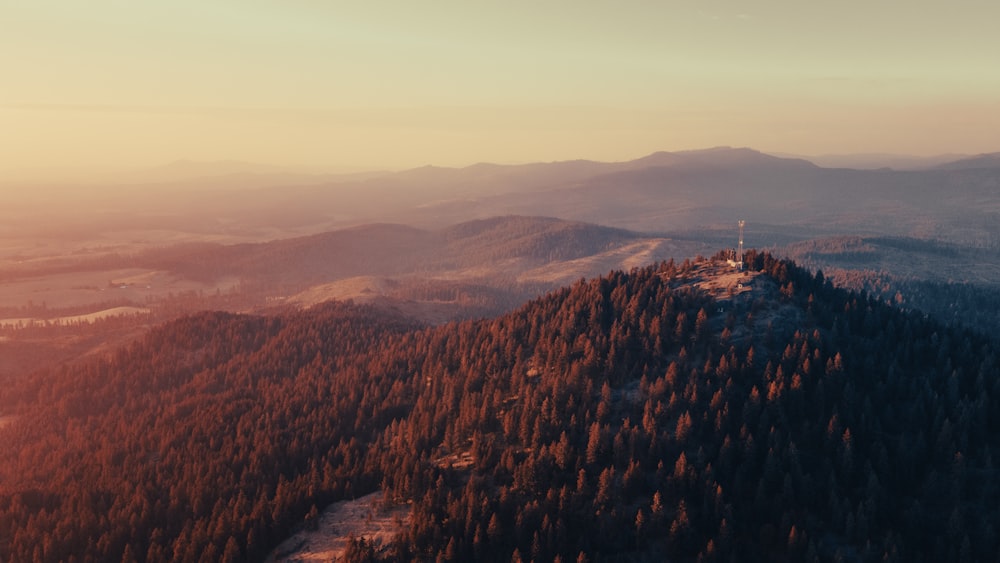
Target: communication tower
[{"x": 739, "y": 253}]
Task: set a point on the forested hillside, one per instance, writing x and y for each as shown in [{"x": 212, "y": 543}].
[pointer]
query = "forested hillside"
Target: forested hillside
[
  {"x": 953, "y": 284},
  {"x": 650, "y": 414}
]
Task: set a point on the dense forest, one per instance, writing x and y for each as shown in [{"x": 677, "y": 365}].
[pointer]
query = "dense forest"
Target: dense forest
[
  {"x": 960, "y": 303},
  {"x": 635, "y": 416},
  {"x": 952, "y": 283}
]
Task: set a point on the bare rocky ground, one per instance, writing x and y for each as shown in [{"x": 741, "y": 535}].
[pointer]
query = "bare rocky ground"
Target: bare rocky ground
[{"x": 723, "y": 281}]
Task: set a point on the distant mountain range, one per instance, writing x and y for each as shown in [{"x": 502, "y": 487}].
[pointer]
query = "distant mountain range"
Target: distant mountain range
[
  {"x": 784, "y": 199},
  {"x": 694, "y": 192},
  {"x": 544, "y": 172},
  {"x": 990, "y": 161},
  {"x": 874, "y": 161}
]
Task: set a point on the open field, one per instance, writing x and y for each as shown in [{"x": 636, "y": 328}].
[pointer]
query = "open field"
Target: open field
[
  {"x": 360, "y": 518},
  {"x": 360, "y": 289},
  {"x": 85, "y": 288},
  {"x": 76, "y": 319},
  {"x": 629, "y": 256}
]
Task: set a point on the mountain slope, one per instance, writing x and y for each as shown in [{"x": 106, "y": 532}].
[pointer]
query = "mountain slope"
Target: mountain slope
[
  {"x": 394, "y": 249},
  {"x": 667, "y": 412},
  {"x": 472, "y": 269}
]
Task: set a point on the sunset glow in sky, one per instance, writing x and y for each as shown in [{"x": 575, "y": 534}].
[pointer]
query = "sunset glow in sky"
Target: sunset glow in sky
[{"x": 105, "y": 84}]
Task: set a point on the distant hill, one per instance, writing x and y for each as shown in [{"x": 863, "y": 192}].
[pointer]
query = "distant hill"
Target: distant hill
[
  {"x": 875, "y": 161},
  {"x": 393, "y": 249},
  {"x": 953, "y": 283},
  {"x": 910, "y": 258},
  {"x": 489, "y": 264},
  {"x": 682, "y": 412},
  {"x": 466, "y": 270},
  {"x": 991, "y": 161}
]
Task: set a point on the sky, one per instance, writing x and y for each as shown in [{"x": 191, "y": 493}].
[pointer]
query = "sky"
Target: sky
[{"x": 107, "y": 84}]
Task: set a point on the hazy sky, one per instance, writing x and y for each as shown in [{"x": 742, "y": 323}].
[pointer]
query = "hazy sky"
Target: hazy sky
[{"x": 100, "y": 83}]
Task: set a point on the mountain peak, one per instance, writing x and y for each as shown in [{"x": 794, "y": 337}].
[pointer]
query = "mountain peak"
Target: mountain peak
[{"x": 722, "y": 156}]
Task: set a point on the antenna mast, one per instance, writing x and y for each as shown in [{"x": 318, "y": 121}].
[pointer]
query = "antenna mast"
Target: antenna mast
[{"x": 739, "y": 253}]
